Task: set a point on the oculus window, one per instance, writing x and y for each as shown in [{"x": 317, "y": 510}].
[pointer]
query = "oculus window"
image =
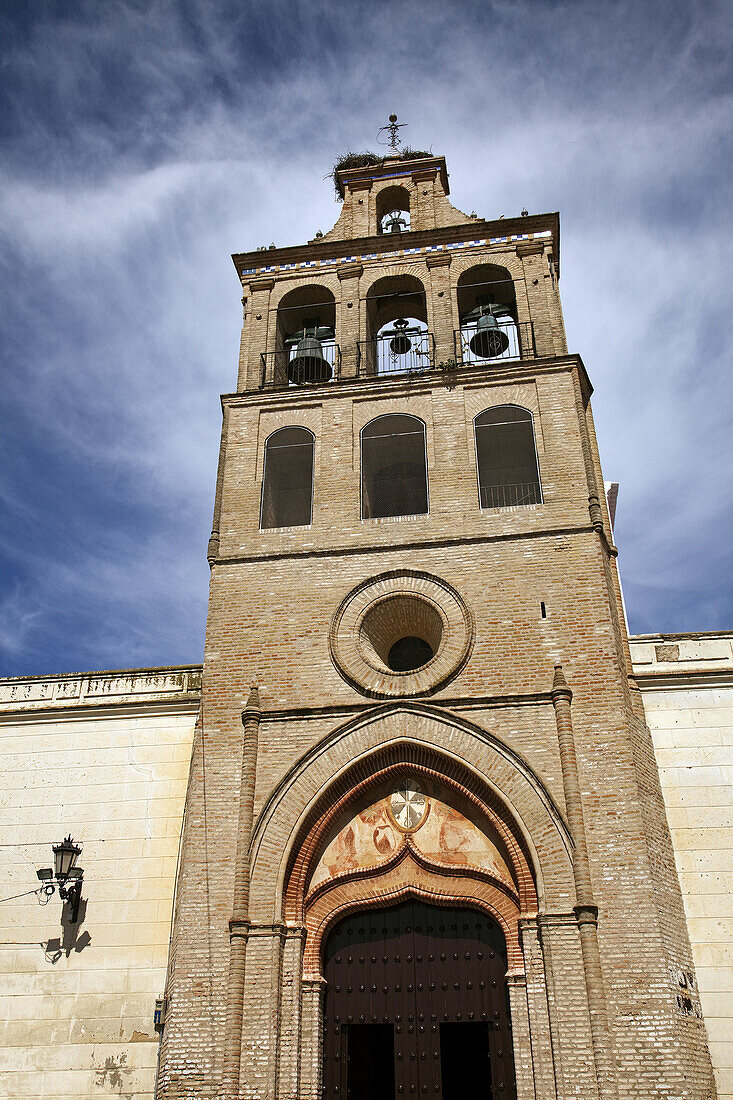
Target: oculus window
[
  {"x": 287, "y": 483},
  {"x": 506, "y": 458},
  {"x": 394, "y": 476}
]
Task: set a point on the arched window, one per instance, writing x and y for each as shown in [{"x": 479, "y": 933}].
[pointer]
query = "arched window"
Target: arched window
[
  {"x": 394, "y": 476},
  {"x": 287, "y": 482},
  {"x": 506, "y": 458}
]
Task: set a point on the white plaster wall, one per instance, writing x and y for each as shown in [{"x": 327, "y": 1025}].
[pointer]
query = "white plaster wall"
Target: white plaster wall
[
  {"x": 687, "y": 686},
  {"x": 77, "y": 1002}
]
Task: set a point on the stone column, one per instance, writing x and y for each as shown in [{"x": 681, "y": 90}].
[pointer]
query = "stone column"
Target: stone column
[
  {"x": 288, "y": 1073},
  {"x": 586, "y": 910},
  {"x": 348, "y": 317},
  {"x": 517, "y": 987},
  {"x": 442, "y": 315},
  {"x": 254, "y": 342},
  {"x": 311, "y": 1041},
  {"x": 543, "y": 1062},
  {"x": 239, "y": 924}
]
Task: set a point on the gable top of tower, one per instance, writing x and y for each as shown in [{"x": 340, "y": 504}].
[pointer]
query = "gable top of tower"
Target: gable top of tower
[{"x": 391, "y": 168}]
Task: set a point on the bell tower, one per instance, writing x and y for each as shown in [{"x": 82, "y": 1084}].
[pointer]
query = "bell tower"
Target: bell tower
[{"x": 425, "y": 848}]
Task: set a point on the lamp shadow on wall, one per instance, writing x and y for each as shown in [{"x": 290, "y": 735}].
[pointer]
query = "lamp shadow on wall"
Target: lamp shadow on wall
[{"x": 69, "y": 940}]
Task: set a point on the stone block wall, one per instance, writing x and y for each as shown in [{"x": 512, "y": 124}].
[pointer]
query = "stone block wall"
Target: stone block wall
[
  {"x": 687, "y": 686},
  {"x": 104, "y": 757}
]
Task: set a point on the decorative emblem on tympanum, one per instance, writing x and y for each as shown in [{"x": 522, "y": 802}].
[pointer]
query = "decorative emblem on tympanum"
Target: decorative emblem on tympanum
[{"x": 408, "y": 805}]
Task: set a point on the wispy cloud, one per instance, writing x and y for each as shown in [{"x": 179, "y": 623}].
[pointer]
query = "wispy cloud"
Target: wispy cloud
[{"x": 146, "y": 140}]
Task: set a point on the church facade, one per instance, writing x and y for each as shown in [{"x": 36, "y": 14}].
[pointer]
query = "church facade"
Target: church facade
[{"x": 425, "y": 847}]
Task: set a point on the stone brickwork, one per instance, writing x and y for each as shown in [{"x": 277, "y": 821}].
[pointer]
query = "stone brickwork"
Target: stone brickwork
[
  {"x": 685, "y": 681},
  {"x": 105, "y": 757},
  {"x": 528, "y": 714},
  {"x": 539, "y": 710}
]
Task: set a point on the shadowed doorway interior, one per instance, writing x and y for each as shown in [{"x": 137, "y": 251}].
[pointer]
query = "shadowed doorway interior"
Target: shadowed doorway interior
[{"x": 416, "y": 1005}]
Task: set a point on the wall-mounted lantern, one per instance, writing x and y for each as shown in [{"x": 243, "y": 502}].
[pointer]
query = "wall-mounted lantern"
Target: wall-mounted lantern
[{"x": 64, "y": 874}]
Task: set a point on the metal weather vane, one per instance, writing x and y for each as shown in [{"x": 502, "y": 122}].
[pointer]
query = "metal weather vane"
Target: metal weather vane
[{"x": 394, "y": 141}]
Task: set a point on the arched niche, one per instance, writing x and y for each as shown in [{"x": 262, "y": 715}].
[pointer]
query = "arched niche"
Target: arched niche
[
  {"x": 456, "y": 852},
  {"x": 392, "y": 297},
  {"x": 305, "y": 308},
  {"x": 352, "y": 848},
  {"x": 395, "y": 200},
  {"x": 394, "y": 468}
]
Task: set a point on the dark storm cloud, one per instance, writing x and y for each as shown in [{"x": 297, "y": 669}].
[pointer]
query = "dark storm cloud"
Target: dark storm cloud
[{"x": 143, "y": 142}]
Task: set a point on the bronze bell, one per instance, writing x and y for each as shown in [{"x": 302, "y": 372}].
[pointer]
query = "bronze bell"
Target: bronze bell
[
  {"x": 400, "y": 343},
  {"x": 309, "y": 365},
  {"x": 395, "y": 223},
  {"x": 489, "y": 340}
]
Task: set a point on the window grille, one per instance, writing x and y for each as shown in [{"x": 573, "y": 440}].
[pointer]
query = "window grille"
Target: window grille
[
  {"x": 506, "y": 458},
  {"x": 287, "y": 482},
  {"x": 394, "y": 480}
]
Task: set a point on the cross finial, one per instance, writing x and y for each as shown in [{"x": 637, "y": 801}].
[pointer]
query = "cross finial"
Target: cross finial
[{"x": 391, "y": 128}]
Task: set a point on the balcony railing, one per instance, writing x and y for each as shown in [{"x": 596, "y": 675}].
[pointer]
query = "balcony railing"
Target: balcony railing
[
  {"x": 280, "y": 369},
  {"x": 383, "y": 356},
  {"x": 519, "y": 339},
  {"x": 389, "y": 357},
  {"x": 509, "y": 496}
]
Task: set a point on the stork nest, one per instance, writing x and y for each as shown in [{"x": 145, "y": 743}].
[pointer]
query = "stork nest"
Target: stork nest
[{"x": 363, "y": 160}]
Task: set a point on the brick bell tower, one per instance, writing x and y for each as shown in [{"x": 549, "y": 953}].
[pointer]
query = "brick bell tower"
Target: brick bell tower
[{"x": 425, "y": 850}]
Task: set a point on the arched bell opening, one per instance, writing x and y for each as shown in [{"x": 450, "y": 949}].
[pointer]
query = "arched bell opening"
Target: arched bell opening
[
  {"x": 398, "y": 340},
  {"x": 487, "y": 310},
  {"x": 393, "y": 210},
  {"x": 416, "y": 1002},
  {"x": 306, "y": 350}
]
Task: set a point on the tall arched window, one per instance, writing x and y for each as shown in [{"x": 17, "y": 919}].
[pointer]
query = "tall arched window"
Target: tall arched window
[
  {"x": 287, "y": 481},
  {"x": 394, "y": 474},
  {"x": 506, "y": 458}
]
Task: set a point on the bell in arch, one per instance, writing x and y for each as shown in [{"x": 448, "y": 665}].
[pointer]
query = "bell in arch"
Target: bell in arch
[
  {"x": 400, "y": 343},
  {"x": 489, "y": 340},
  {"x": 394, "y": 222},
  {"x": 308, "y": 365}
]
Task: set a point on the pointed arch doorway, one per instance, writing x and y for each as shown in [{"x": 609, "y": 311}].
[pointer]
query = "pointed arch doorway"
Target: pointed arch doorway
[{"x": 416, "y": 1006}]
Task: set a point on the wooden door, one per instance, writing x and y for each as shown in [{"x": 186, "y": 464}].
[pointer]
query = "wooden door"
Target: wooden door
[{"x": 416, "y": 1006}]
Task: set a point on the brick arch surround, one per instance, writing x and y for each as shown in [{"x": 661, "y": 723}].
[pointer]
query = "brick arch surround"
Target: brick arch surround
[
  {"x": 408, "y": 736},
  {"x": 425, "y": 764}
]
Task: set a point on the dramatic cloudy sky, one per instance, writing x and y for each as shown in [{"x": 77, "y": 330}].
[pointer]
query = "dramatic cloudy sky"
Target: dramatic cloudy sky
[{"x": 144, "y": 141}]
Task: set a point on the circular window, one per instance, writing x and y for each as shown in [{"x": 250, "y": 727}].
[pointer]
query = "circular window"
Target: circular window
[
  {"x": 409, "y": 653},
  {"x": 401, "y": 633}
]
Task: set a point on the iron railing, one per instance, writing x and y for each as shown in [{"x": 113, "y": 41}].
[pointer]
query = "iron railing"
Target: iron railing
[
  {"x": 520, "y": 343},
  {"x": 509, "y": 496},
  {"x": 280, "y": 369},
  {"x": 384, "y": 356}
]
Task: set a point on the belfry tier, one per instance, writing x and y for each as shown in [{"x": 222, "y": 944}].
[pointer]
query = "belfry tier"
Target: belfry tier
[{"x": 404, "y": 283}]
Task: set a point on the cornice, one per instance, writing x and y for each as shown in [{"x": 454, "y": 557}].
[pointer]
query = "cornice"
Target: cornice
[
  {"x": 519, "y": 370},
  {"x": 412, "y": 544},
  {"x": 258, "y": 263}
]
